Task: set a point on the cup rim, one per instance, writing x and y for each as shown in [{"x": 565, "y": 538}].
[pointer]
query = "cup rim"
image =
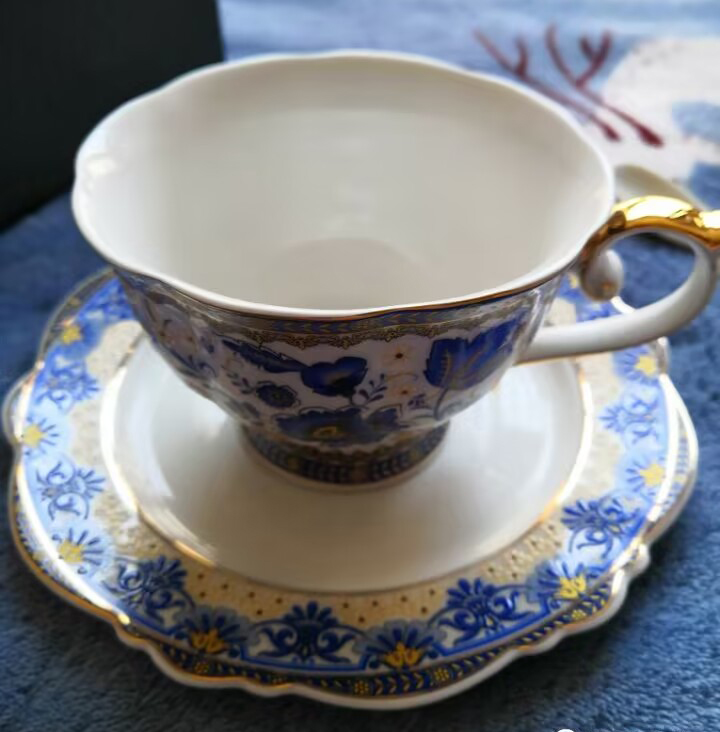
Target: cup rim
[{"x": 520, "y": 284}]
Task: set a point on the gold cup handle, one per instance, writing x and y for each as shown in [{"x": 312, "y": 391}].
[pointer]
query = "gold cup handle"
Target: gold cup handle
[{"x": 601, "y": 276}]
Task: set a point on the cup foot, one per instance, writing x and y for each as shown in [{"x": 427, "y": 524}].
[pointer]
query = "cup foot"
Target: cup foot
[{"x": 346, "y": 468}]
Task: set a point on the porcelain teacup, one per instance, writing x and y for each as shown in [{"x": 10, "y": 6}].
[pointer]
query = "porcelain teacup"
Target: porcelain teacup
[{"x": 344, "y": 250}]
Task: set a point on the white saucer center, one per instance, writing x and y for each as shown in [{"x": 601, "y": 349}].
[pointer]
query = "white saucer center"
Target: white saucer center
[{"x": 501, "y": 465}]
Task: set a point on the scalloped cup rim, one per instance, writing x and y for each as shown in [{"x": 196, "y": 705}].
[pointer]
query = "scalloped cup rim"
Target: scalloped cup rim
[{"x": 535, "y": 277}]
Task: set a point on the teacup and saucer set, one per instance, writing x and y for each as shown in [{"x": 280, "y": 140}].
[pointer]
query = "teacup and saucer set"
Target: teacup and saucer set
[{"x": 280, "y": 445}]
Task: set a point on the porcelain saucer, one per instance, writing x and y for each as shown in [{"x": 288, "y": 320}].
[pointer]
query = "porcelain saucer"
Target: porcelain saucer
[{"x": 527, "y": 525}]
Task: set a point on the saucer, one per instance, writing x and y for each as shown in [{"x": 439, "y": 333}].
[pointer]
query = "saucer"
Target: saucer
[{"x": 392, "y": 597}]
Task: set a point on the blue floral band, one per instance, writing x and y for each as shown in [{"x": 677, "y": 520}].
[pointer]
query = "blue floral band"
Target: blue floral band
[
  {"x": 340, "y": 468},
  {"x": 355, "y": 386}
]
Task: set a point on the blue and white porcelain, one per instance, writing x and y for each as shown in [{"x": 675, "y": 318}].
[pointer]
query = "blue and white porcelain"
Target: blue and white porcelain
[
  {"x": 346, "y": 250},
  {"x": 602, "y": 448},
  {"x": 346, "y": 402}
]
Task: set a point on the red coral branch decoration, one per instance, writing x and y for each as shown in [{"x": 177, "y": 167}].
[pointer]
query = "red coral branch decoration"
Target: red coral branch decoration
[
  {"x": 596, "y": 58},
  {"x": 519, "y": 69}
]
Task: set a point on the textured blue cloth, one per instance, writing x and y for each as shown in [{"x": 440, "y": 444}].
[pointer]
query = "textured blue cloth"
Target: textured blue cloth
[{"x": 655, "y": 668}]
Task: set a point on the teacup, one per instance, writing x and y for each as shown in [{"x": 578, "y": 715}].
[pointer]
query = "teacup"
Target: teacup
[{"x": 344, "y": 250}]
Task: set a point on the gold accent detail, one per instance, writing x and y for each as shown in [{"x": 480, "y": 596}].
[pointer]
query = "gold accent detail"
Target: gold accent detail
[
  {"x": 646, "y": 213},
  {"x": 441, "y": 675},
  {"x": 362, "y": 688},
  {"x": 209, "y": 642},
  {"x": 572, "y": 588},
  {"x": 402, "y": 656},
  {"x": 330, "y": 431},
  {"x": 460, "y": 302},
  {"x": 201, "y": 667},
  {"x": 71, "y": 333},
  {"x": 340, "y": 332}
]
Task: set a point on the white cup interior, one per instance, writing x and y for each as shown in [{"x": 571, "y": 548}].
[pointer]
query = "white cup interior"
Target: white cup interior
[{"x": 340, "y": 182}]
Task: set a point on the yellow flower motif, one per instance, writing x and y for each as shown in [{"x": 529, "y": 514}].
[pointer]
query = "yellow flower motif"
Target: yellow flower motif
[
  {"x": 578, "y": 614},
  {"x": 571, "y": 588},
  {"x": 646, "y": 364},
  {"x": 440, "y": 675},
  {"x": 398, "y": 357},
  {"x": 402, "y": 656},
  {"x": 71, "y": 334},
  {"x": 201, "y": 668},
  {"x": 362, "y": 688},
  {"x": 401, "y": 387},
  {"x": 209, "y": 642},
  {"x": 32, "y": 436},
  {"x": 653, "y": 475},
  {"x": 70, "y": 552}
]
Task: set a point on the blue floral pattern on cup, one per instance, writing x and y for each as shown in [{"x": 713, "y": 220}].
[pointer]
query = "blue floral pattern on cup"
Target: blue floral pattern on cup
[
  {"x": 341, "y": 426},
  {"x": 325, "y": 394}
]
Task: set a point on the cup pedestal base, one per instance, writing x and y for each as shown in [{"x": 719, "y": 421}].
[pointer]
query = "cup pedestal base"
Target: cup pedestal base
[{"x": 343, "y": 469}]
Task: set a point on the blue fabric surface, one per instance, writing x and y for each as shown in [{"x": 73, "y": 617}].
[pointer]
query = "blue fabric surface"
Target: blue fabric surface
[{"x": 654, "y": 668}]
